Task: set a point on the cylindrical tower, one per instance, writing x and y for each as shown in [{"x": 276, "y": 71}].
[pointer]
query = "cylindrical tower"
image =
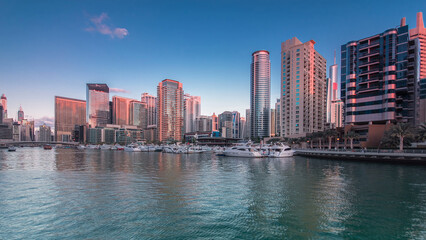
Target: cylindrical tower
[{"x": 260, "y": 95}]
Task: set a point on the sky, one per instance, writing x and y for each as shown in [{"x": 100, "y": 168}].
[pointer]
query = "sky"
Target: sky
[{"x": 53, "y": 48}]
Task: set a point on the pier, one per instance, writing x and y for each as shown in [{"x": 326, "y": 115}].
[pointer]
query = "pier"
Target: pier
[{"x": 408, "y": 157}]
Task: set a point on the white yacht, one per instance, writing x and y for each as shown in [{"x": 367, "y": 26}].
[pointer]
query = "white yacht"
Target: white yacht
[
  {"x": 81, "y": 147},
  {"x": 132, "y": 149},
  {"x": 279, "y": 151},
  {"x": 242, "y": 151},
  {"x": 105, "y": 147}
]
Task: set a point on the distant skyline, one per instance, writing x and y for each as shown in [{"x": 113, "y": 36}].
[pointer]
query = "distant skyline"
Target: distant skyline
[{"x": 53, "y": 48}]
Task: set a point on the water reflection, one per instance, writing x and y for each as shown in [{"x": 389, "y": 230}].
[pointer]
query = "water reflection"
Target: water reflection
[{"x": 110, "y": 194}]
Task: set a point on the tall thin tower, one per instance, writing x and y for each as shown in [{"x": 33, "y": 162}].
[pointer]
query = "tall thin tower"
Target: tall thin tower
[{"x": 260, "y": 100}]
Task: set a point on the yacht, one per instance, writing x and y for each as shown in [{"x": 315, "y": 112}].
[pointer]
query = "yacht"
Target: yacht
[
  {"x": 242, "y": 151},
  {"x": 11, "y": 149},
  {"x": 81, "y": 147},
  {"x": 132, "y": 149},
  {"x": 279, "y": 151},
  {"x": 105, "y": 147}
]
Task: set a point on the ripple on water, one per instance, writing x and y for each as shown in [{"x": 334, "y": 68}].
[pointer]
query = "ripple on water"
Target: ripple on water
[{"x": 65, "y": 193}]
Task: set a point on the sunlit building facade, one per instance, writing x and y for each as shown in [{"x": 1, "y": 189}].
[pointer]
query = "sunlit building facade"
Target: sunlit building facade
[
  {"x": 215, "y": 123},
  {"x": 3, "y": 101},
  {"x": 21, "y": 115},
  {"x": 69, "y": 112},
  {"x": 170, "y": 110},
  {"x": 97, "y": 108},
  {"x": 303, "y": 89},
  {"x": 260, "y": 94},
  {"x": 121, "y": 110},
  {"x": 151, "y": 104},
  {"x": 418, "y": 35}
]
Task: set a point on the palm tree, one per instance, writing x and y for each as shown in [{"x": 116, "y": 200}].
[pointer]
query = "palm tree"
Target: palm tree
[
  {"x": 330, "y": 134},
  {"x": 421, "y": 132},
  {"x": 401, "y": 131},
  {"x": 351, "y": 135}
]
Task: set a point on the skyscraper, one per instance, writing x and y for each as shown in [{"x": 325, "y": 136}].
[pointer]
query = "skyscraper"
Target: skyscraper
[
  {"x": 215, "y": 123},
  {"x": 97, "y": 109},
  {"x": 3, "y": 101},
  {"x": 334, "y": 104},
  {"x": 229, "y": 124},
  {"x": 44, "y": 133},
  {"x": 303, "y": 89},
  {"x": 418, "y": 34},
  {"x": 272, "y": 124},
  {"x": 151, "y": 104},
  {"x": 277, "y": 117},
  {"x": 69, "y": 113},
  {"x": 260, "y": 100},
  {"x": 138, "y": 113},
  {"x": 192, "y": 110},
  {"x": 170, "y": 110},
  {"x": 381, "y": 83},
  {"x": 121, "y": 110},
  {"x": 21, "y": 115}
]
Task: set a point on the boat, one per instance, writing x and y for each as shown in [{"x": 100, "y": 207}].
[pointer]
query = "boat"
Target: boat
[
  {"x": 11, "y": 149},
  {"x": 47, "y": 147},
  {"x": 81, "y": 147},
  {"x": 279, "y": 151},
  {"x": 242, "y": 151},
  {"x": 105, "y": 147},
  {"x": 132, "y": 149},
  {"x": 92, "y": 147}
]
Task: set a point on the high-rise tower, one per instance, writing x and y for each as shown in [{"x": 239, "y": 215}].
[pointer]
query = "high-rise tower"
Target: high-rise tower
[
  {"x": 3, "y": 102},
  {"x": 21, "y": 115},
  {"x": 303, "y": 89},
  {"x": 97, "y": 100},
  {"x": 151, "y": 112},
  {"x": 170, "y": 110},
  {"x": 260, "y": 95},
  {"x": 192, "y": 110}
]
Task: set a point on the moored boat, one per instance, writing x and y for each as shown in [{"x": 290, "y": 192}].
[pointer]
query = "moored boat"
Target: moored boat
[
  {"x": 11, "y": 149},
  {"x": 47, "y": 147}
]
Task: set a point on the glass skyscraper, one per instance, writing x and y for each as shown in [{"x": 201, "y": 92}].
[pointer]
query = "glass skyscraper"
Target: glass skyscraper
[
  {"x": 97, "y": 100},
  {"x": 260, "y": 94}
]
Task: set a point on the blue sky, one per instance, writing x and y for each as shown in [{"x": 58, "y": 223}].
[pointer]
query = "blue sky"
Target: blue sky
[{"x": 50, "y": 48}]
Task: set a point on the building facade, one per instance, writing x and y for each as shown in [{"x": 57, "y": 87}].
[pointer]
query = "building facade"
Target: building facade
[
  {"x": 151, "y": 105},
  {"x": 170, "y": 110},
  {"x": 203, "y": 124},
  {"x": 260, "y": 94},
  {"x": 21, "y": 115},
  {"x": 215, "y": 123},
  {"x": 68, "y": 113},
  {"x": 138, "y": 114},
  {"x": 418, "y": 36},
  {"x": 277, "y": 117},
  {"x": 121, "y": 110},
  {"x": 229, "y": 124},
  {"x": 97, "y": 104},
  {"x": 303, "y": 89},
  {"x": 192, "y": 110},
  {"x": 3, "y": 101},
  {"x": 44, "y": 133}
]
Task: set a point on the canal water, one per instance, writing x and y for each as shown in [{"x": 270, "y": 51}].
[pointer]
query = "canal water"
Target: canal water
[{"x": 93, "y": 194}]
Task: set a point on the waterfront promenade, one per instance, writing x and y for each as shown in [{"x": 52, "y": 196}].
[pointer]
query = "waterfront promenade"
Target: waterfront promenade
[{"x": 408, "y": 156}]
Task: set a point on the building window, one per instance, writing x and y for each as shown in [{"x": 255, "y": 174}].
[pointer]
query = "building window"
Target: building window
[{"x": 298, "y": 50}]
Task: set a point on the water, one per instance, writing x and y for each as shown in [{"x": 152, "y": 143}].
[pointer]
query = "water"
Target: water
[{"x": 92, "y": 194}]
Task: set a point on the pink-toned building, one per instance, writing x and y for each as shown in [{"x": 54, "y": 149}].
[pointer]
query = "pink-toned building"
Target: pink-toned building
[
  {"x": 69, "y": 113},
  {"x": 303, "y": 89},
  {"x": 215, "y": 123},
  {"x": 121, "y": 110},
  {"x": 170, "y": 110}
]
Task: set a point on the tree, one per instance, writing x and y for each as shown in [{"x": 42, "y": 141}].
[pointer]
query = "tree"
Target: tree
[
  {"x": 330, "y": 134},
  {"x": 351, "y": 135},
  {"x": 401, "y": 131},
  {"x": 421, "y": 132}
]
